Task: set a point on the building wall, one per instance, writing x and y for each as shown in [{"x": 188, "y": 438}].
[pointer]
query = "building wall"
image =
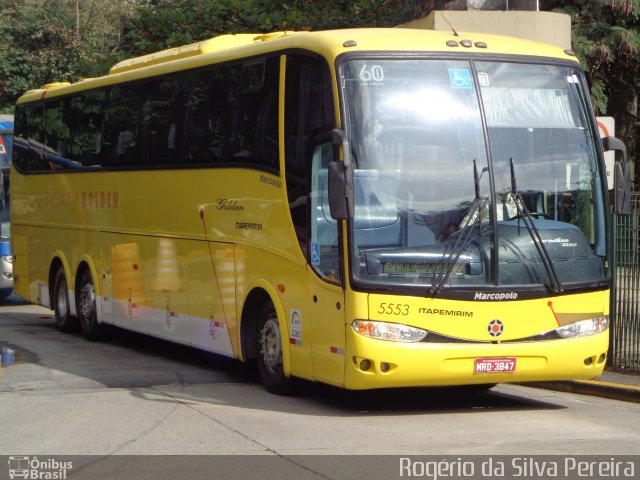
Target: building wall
[{"x": 547, "y": 27}]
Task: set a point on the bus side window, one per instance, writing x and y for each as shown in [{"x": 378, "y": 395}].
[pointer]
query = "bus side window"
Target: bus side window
[
  {"x": 204, "y": 114},
  {"x": 254, "y": 114},
  {"x": 121, "y": 129},
  {"x": 20, "y": 156},
  {"x": 86, "y": 141},
  {"x": 160, "y": 131},
  {"x": 35, "y": 139},
  {"x": 57, "y": 134},
  {"x": 324, "y": 229}
]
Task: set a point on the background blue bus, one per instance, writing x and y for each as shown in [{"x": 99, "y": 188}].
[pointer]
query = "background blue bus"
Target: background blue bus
[{"x": 6, "y": 260}]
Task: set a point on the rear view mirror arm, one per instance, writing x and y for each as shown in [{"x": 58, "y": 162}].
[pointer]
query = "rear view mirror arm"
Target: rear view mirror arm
[{"x": 341, "y": 201}]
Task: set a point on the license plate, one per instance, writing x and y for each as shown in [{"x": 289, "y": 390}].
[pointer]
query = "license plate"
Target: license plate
[{"x": 495, "y": 365}]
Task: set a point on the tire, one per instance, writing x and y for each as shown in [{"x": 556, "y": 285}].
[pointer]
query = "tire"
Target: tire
[
  {"x": 61, "y": 305},
  {"x": 86, "y": 307},
  {"x": 269, "y": 353}
]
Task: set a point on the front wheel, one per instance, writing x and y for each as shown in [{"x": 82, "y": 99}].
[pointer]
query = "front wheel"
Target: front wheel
[
  {"x": 269, "y": 351},
  {"x": 87, "y": 313}
]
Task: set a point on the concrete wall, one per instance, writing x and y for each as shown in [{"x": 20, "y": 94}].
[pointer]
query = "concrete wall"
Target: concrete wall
[{"x": 547, "y": 27}]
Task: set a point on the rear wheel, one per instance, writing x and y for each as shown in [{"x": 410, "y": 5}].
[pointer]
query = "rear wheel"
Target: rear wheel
[
  {"x": 269, "y": 351},
  {"x": 61, "y": 306},
  {"x": 87, "y": 313}
]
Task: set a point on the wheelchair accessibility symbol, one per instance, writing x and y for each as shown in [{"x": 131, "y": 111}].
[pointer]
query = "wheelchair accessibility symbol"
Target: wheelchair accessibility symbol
[
  {"x": 460, "y": 78},
  {"x": 315, "y": 253}
]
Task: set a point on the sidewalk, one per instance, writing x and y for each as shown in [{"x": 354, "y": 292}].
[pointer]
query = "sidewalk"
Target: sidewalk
[{"x": 611, "y": 384}]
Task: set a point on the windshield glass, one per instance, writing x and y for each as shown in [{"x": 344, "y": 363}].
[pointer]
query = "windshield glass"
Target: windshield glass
[
  {"x": 5, "y": 225},
  {"x": 424, "y": 160},
  {"x": 6, "y": 147}
]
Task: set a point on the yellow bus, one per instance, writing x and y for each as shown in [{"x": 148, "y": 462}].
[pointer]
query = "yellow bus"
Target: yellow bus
[{"x": 366, "y": 208}]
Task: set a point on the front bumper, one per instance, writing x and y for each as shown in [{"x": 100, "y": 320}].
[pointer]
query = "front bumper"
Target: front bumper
[{"x": 394, "y": 364}]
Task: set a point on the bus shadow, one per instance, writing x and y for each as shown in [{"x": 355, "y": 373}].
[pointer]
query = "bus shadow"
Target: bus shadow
[
  {"x": 320, "y": 399},
  {"x": 162, "y": 371},
  {"x": 434, "y": 400},
  {"x": 240, "y": 377}
]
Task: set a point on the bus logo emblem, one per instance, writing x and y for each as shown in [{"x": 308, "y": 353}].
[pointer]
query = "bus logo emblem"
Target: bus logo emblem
[{"x": 495, "y": 328}]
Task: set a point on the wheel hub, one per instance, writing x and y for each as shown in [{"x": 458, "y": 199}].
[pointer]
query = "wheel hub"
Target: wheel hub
[
  {"x": 271, "y": 345},
  {"x": 87, "y": 301}
]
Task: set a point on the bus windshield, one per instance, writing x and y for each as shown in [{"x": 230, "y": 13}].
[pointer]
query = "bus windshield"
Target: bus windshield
[
  {"x": 6, "y": 147},
  {"x": 473, "y": 174}
]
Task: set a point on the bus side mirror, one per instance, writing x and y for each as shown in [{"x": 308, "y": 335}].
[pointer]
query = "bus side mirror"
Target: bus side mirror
[
  {"x": 337, "y": 190},
  {"x": 341, "y": 179},
  {"x": 621, "y": 176},
  {"x": 622, "y": 188},
  {"x": 613, "y": 143}
]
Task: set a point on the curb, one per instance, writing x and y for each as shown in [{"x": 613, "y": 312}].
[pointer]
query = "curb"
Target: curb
[{"x": 597, "y": 388}]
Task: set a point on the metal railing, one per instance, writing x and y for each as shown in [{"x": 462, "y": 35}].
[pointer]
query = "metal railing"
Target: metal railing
[{"x": 624, "y": 350}]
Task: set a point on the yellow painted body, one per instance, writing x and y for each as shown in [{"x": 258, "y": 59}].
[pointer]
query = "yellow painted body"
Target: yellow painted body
[
  {"x": 176, "y": 253},
  {"x": 453, "y": 363}
]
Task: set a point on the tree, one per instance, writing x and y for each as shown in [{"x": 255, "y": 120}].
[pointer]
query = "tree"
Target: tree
[
  {"x": 160, "y": 24},
  {"x": 606, "y": 38},
  {"x": 44, "y": 41}
]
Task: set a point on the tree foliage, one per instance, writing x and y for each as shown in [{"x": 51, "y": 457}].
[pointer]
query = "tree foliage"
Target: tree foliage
[
  {"x": 606, "y": 37},
  {"x": 44, "y": 41},
  {"x": 160, "y": 24}
]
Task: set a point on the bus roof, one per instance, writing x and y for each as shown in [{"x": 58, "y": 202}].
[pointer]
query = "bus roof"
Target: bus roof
[{"x": 329, "y": 43}]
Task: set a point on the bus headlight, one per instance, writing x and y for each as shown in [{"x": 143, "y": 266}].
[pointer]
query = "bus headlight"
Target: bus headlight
[
  {"x": 584, "y": 327},
  {"x": 388, "y": 331}
]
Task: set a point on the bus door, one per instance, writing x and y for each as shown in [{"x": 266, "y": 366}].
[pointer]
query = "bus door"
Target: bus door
[{"x": 328, "y": 351}]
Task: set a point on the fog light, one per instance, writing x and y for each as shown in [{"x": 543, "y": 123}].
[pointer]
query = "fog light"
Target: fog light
[
  {"x": 365, "y": 365},
  {"x": 602, "y": 358},
  {"x": 384, "y": 367},
  {"x": 588, "y": 361}
]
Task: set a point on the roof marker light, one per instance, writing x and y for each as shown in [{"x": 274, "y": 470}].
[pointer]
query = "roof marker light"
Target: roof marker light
[
  {"x": 350, "y": 43},
  {"x": 452, "y": 43},
  {"x": 466, "y": 43},
  {"x": 480, "y": 45}
]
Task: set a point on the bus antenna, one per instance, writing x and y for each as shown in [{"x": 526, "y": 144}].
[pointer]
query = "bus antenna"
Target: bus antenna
[{"x": 455, "y": 34}]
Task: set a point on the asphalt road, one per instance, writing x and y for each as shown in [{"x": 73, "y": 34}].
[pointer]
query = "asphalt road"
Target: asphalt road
[{"x": 134, "y": 395}]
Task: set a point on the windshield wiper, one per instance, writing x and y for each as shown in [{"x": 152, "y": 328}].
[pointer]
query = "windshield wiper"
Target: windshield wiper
[
  {"x": 534, "y": 233},
  {"x": 474, "y": 216}
]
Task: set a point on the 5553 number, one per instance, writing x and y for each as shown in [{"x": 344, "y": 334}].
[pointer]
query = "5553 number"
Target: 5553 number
[{"x": 394, "y": 308}]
